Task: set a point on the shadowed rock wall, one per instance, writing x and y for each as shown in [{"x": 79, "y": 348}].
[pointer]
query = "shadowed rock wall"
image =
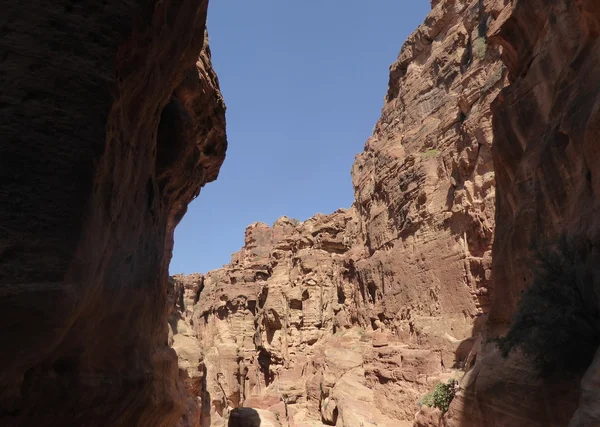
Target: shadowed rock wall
[
  {"x": 111, "y": 121},
  {"x": 546, "y": 155}
]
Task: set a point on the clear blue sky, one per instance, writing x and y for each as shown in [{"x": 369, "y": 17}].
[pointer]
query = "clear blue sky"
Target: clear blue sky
[{"x": 304, "y": 83}]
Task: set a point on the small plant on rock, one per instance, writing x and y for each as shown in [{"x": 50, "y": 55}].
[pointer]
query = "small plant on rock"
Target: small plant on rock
[
  {"x": 430, "y": 153},
  {"x": 480, "y": 47},
  {"x": 557, "y": 323},
  {"x": 441, "y": 396}
]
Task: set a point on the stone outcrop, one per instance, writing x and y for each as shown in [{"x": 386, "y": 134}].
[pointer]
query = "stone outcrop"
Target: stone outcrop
[
  {"x": 546, "y": 153},
  {"x": 348, "y": 319},
  {"x": 112, "y": 120}
]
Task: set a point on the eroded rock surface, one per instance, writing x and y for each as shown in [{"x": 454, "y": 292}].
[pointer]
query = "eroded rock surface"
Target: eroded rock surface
[
  {"x": 112, "y": 120},
  {"x": 348, "y": 319},
  {"x": 424, "y": 185},
  {"x": 546, "y": 152}
]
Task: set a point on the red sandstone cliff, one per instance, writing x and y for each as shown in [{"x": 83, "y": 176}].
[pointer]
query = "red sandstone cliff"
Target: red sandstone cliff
[
  {"x": 112, "y": 120},
  {"x": 348, "y": 319},
  {"x": 112, "y": 123},
  {"x": 546, "y": 156}
]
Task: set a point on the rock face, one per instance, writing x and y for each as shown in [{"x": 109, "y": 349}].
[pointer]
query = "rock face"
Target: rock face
[
  {"x": 348, "y": 319},
  {"x": 282, "y": 330},
  {"x": 424, "y": 185},
  {"x": 111, "y": 123},
  {"x": 546, "y": 152}
]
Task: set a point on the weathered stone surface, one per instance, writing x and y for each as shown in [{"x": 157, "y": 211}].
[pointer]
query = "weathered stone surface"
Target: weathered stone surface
[
  {"x": 428, "y": 417},
  {"x": 510, "y": 392},
  {"x": 182, "y": 293},
  {"x": 588, "y": 412},
  {"x": 424, "y": 185},
  {"x": 424, "y": 194},
  {"x": 260, "y": 318},
  {"x": 546, "y": 153},
  {"x": 350, "y": 318},
  {"x": 111, "y": 123}
]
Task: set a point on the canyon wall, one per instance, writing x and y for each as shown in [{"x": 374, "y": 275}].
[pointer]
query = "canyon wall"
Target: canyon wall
[
  {"x": 349, "y": 319},
  {"x": 111, "y": 123},
  {"x": 546, "y": 154}
]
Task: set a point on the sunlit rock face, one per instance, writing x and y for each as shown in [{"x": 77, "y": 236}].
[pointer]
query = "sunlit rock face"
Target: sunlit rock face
[
  {"x": 349, "y": 318},
  {"x": 487, "y": 144},
  {"x": 112, "y": 121}
]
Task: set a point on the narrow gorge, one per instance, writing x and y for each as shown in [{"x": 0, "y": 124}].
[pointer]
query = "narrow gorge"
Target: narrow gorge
[
  {"x": 460, "y": 289},
  {"x": 349, "y": 319},
  {"x": 486, "y": 144}
]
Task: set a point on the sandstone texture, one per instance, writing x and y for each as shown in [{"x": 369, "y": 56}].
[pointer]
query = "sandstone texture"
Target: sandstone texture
[
  {"x": 349, "y": 319},
  {"x": 488, "y": 143},
  {"x": 111, "y": 123},
  {"x": 279, "y": 329},
  {"x": 488, "y": 137},
  {"x": 425, "y": 185},
  {"x": 546, "y": 154}
]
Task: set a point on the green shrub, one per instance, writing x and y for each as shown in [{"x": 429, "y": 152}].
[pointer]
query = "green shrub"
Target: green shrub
[
  {"x": 557, "y": 323},
  {"x": 441, "y": 396},
  {"x": 430, "y": 153},
  {"x": 295, "y": 221},
  {"x": 480, "y": 47}
]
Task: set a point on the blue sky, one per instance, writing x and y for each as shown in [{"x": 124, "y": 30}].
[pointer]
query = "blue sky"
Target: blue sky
[{"x": 304, "y": 83}]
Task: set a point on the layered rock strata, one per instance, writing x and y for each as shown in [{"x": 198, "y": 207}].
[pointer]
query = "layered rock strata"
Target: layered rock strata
[
  {"x": 112, "y": 120},
  {"x": 348, "y": 319}
]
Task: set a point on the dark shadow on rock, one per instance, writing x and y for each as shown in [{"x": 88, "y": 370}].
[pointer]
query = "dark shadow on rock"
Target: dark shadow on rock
[
  {"x": 202, "y": 391},
  {"x": 465, "y": 348},
  {"x": 244, "y": 417}
]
